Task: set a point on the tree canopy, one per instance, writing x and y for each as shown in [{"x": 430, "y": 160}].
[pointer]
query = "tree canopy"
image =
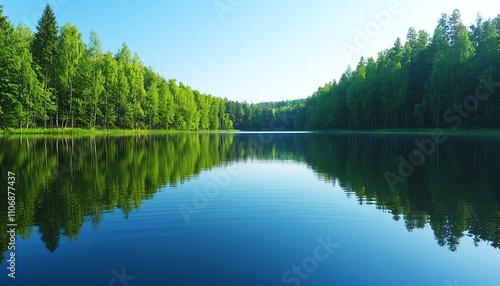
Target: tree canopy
[
  {"x": 426, "y": 82},
  {"x": 52, "y": 78}
]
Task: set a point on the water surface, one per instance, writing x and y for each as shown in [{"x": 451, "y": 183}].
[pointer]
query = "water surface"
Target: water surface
[{"x": 253, "y": 209}]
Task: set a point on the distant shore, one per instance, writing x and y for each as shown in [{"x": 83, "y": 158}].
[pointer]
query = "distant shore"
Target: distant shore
[{"x": 463, "y": 131}]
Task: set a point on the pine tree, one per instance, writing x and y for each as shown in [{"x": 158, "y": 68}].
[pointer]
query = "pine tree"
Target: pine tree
[{"x": 44, "y": 52}]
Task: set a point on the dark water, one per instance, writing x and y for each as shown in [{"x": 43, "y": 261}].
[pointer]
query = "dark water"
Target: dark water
[{"x": 253, "y": 209}]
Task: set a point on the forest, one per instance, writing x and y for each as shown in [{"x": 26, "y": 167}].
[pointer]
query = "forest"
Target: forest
[
  {"x": 448, "y": 80},
  {"x": 51, "y": 78}
]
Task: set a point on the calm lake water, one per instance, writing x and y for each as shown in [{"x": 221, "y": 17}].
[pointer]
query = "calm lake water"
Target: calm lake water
[{"x": 253, "y": 209}]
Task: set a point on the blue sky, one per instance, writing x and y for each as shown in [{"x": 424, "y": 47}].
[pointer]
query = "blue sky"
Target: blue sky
[{"x": 250, "y": 50}]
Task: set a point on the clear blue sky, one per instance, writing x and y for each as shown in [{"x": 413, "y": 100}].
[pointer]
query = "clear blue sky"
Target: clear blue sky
[{"x": 249, "y": 50}]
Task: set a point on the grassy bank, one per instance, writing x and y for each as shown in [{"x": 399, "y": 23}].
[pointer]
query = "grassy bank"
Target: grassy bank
[
  {"x": 82, "y": 131},
  {"x": 48, "y": 131}
]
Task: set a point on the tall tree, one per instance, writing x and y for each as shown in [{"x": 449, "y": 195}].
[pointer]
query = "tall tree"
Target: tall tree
[
  {"x": 357, "y": 88},
  {"x": 34, "y": 99},
  {"x": 8, "y": 67},
  {"x": 486, "y": 63},
  {"x": 123, "y": 106},
  {"x": 71, "y": 48},
  {"x": 110, "y": 94},
  {"x": 22, "y": 98},
  {"x": 166, "y": 108},
  {"x": 437, "y": 82},
  {"x": 44, "y": 52},
  {"x": 94, "y": 58},
  {"x": 137, "y": 92},
  {"x": 420, "y": 69},
  {"x": 371, "y": 98},
  {"x": 151, "y": 108},
  {"x": 203, "y": 105}
]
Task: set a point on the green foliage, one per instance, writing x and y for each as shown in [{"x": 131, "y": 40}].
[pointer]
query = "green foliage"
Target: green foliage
[
  {"x": 53, "y": 79},
  {"x": 22, "y": 98},
  {"x": 44, "y": 51},
  {"x": 416, "y": 84},
  {"x": 411, "y": 85},
  {"x": 70, "y": 49}
]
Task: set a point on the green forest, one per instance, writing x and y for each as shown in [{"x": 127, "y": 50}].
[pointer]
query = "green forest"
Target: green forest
[{"x": 51, "y": 78}]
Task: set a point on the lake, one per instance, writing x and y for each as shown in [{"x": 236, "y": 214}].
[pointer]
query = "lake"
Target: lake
[{"x": 252, "y": 209}]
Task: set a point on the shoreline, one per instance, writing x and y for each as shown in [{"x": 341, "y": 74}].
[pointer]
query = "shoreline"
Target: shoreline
[
  {"x": 411, "y": 131},
  {"x": 82, "y": 131}
]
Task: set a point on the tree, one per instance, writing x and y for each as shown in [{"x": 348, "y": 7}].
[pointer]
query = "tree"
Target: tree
[
  {"x": 22, "y": 98},
  {"x": 214, "y": 114},
  {"x": 151, "y": 109},
  {"x": 110, "y": 95},
  {"x": 4, "y": 22},
  {"x": 419, "y": 72},
  {"x": 371, "y": 98},
  {"x": 203, "y": 105},
  {"x": 123, "y": 106},
  {"x": 188, "y": 107},
  {"x": 93, "y": 56},
  {"x": 137, "y": 92},
  {"x": 34, "y": 99},
  {"x": 44, "y": 52},
  {"x": 436, "y": 82},
  {"x": 71, "y": 48},
  {"x": 486, "y": 63},
  {"x": 9, "y": 64},
  {"x": 354, "y": 95},
  {"x": 166, "y": 109}
]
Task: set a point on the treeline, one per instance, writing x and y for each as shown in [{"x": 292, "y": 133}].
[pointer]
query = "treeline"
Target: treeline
[
  {"x": 425, "y": 82},
  {"x": 51, "y": 78},
  {"x": 267, "y": 116},
  {"x": 447, "y": 80}
]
